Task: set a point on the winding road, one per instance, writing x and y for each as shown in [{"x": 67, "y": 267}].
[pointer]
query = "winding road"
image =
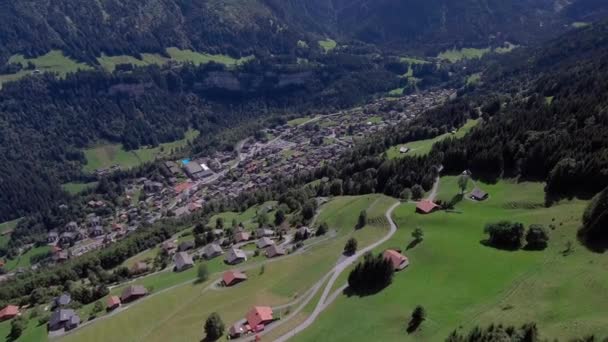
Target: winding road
[{"x": 327, "y": 298}]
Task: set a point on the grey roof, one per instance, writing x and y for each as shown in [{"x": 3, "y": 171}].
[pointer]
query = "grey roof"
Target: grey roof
[
  {"x": 61, "y": 315},
  {"x": 264, "y": 232},
  {"x": 193, "y": 168},
  {"x": 274, "y": 250},
  {"x": 264, "y": 242},
  {"x": 186, "y": 245},
  {"x": 212, "y": 250},
  {"x": 478, "y": 193},
  {"x": 235, "y": 254},
  {"x": 182, "y": 260},
  {"x": 63, "y": 300}
]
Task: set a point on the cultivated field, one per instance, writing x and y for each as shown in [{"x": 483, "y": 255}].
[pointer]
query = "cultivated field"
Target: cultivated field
[
  {"x": 423, "y": 147},
  {"x": 462, "y": 283}
]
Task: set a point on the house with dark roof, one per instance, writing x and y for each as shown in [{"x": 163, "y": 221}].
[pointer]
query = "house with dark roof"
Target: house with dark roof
[
  {"x": 237, "y": 330},
  {"x": 139, "y": 267},
  {"x": 275, "y": 251},
  {"x": 263, "y": 232},
  {"x": 132, "y": 293},
  {"x": 169, "y": 247},
  {"x": 65, "y": 319},
  {"x": 113, "y": 303},
  {"x": 9, "y": 312},
  {"x": 264, "y": 242},
  {"x": 63, "y": 300},
  {"x": 426, "y": 207},
  {"x": 52, "y": 237},
  {"x": 183, "y": 261},
  {"x": 186, "y": 246},
  {"x": 211, "y": 251},
  {"x": 398, "y": 260},
  {"x": 242, "y": 236},
  {"x": 235, "y": 256},
  {"x": 231, "y": 278},
  {"x": 478, "y": 195}
]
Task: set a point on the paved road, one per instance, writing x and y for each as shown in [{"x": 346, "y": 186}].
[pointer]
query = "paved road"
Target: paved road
[{"x": 326, "y": 298}]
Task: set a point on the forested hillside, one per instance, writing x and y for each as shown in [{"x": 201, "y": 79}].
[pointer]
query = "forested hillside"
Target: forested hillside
[{"x": 91, "y": 27}]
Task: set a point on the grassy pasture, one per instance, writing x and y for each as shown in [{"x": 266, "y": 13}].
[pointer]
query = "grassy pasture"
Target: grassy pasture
[
  {"x": 179, "y": 313},
  {"x": 455, "y": 55},
  {"x": 24, "y": 259},
  {"x": 328, "y": 44},
  {"x": 107, "y": 155},
  {"x": 247, "y": 218},
  {"x": 76, "y": 187},
  {"x": 6, "y": 226},
  {"x": 422, "y": 147},
  {"x": 461, "y": 282}
]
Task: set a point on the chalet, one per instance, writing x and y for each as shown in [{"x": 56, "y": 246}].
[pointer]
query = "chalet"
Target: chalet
[
  {"x": 52, "y": 237},
  {"x": 275, "y": 251},
  {"x": 211, "y": 251},
  {"x": 426, "y": 207},
  {"x": 185, "y": 246},
  {"x": 233, "y": 277},
  {"x": 62, "y": 301},
  {"x": 237, "y": 330},
  {"x": 65, "y": 319},
  {"x": 113, "y": 303},
  {"x": 71, "y": 227},
  {"x": 241, "y": 237},
  {"x": 404, "y": 149},
  {"x": 264, "y": 242},
  {"x": 398, "y": 260},
  {"x": 61, "y": 256},
  {"x": 183, "y": 261},
  {"x": 97, "y": 231},
  {"x": 478, "y": 195},
  {"x": 235, "y": 256},
  {"x": 193, "y": 170},
  {"x": 66, "y": 238},
  {"x": 264, "y": 233},
  {"x": 259, "y": 315},
  {"x": 9, "y": 312},
  {"x": 132, "y": 293},
  {"x": 169, "y": 247},
  {"x": 139, "y": 267},
  {"x": 94, "y": 221}
]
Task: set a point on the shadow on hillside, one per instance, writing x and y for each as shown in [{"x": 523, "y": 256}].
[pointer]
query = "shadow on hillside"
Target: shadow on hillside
[
  {"x": 593, "y": 242},
  {"x": 487, "y": 243},
  {"x": 350, "y": 293},
  {"x": 413, "y": 244}
]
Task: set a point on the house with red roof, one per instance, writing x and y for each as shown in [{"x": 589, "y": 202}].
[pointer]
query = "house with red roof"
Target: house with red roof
[
  {"x": 233, "y": 277},
  {"x": 113, "y": 303},
  {"x": 182, "y": 187},
  {"x": 259, "y": 315},
  {"x": 426, "y": 207},
  {"x": 398, "y": 260},
  {"x": 9, "y": 312}
]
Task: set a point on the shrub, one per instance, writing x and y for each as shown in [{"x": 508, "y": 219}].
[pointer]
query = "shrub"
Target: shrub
[
  {"x": 536, "y": 237},
  {"x": 505, "y": 234}
]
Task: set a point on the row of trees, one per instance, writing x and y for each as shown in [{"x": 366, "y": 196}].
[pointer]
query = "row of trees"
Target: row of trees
[{"x": 510, "y": 235}]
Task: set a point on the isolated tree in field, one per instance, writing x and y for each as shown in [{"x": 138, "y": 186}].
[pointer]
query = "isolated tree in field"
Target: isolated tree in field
[
  {"x": 406, "y": 194},
  {"x": 418, "y": 316},
  {"x": 418, "y": 234},
  {"x": 323, "y": 228},
  {"x": 214, "y": 327},
  {"x": 417, "y": 192},
  {"x": 505, "y": 234},
  {"x": 351, "y": 246},
  {"x": 262, "y": 219},
  {"x": 97, "y": 308},
  {"x": 362, "y": 221},
  {"x": 536, "y": 237},
  {"x": 279, "y": 217},
  {"x": 18, "y": 325},
  {"x": 463, "y": 181},
  {"x": 203, "y": 272},
  {"x": 219, "y": 223}
]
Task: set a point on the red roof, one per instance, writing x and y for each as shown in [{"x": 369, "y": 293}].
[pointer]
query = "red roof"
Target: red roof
[
  {"x": 8, "y": 312},
  {"x": 426, "y": 206},
  {"x": 398, "y": 260},
  {"x": 181, "y": 187},
  {"x": 232, "y": 277},
  {"x": 113, "y": 301},
  {"x": 259, "y": 315}
]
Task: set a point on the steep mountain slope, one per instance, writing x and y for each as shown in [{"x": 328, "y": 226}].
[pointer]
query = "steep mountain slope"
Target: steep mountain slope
[{"x": 237, "y": 27}]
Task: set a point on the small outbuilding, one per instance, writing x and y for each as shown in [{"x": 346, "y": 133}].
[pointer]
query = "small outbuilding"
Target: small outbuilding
[
  {"x": 235, "y": 256},
  {"x": 264, "y": 242},
  {"x": 426, "y": 207},
  {"x": 478, "y": 195},
  {"x": 183, "y": 261},
  {"x": 398, "y": 260},
  {"x": 275, "y": 251},
  {"x": 113, "y": 303},
  {"x": 231, "y": 278},
  {"x": 211, "y": 251},
  {"x": 132, "y": 293},
  {"x": 259, "y": 315},
  {"x": 9, "y": 312}
]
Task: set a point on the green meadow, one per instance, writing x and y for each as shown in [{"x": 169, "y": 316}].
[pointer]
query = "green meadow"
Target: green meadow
[
  {"x": 178, "y": 313},
  {"x": 4, "y": 227},
  {"x": 455, "y": 55},
  {"x": 104, "y": 156},
  {"x": 24, "y": 259},
  {"x": 328, "y": 44},
  {"x": 77, "y": 187},
  {"x": 423, "y": 147},
  {"x": 463, "y": 283}
]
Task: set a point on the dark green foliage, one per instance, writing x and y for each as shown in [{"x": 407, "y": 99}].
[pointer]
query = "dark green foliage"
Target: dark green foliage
[
  {"x": 526, "y": 333},
  {"x": 417, "y": 192},
  {"x": 18, "y": 325},
  {"x": 536, "y": 237},
  {"x": 362, "y": 220},
  {"x": 505, "y": 234},
  {"x": 323, "y": 228},
  {"x": 418, "y": 316},
  {"x": 214, "y": 327},
  {"x": 418, "y": 234},
  {"x": 279, "y": 217},
  {"x": 351, "y": 246},
  {"x": 219, "y": 223},
  {"x": 370, "y": 276},
  {"x": 203, "y": 272},
  {"x": 595, "y": 222}
]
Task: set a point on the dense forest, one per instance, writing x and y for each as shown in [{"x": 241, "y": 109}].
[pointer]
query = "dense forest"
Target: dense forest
[{"x": 33, "y": 27}]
